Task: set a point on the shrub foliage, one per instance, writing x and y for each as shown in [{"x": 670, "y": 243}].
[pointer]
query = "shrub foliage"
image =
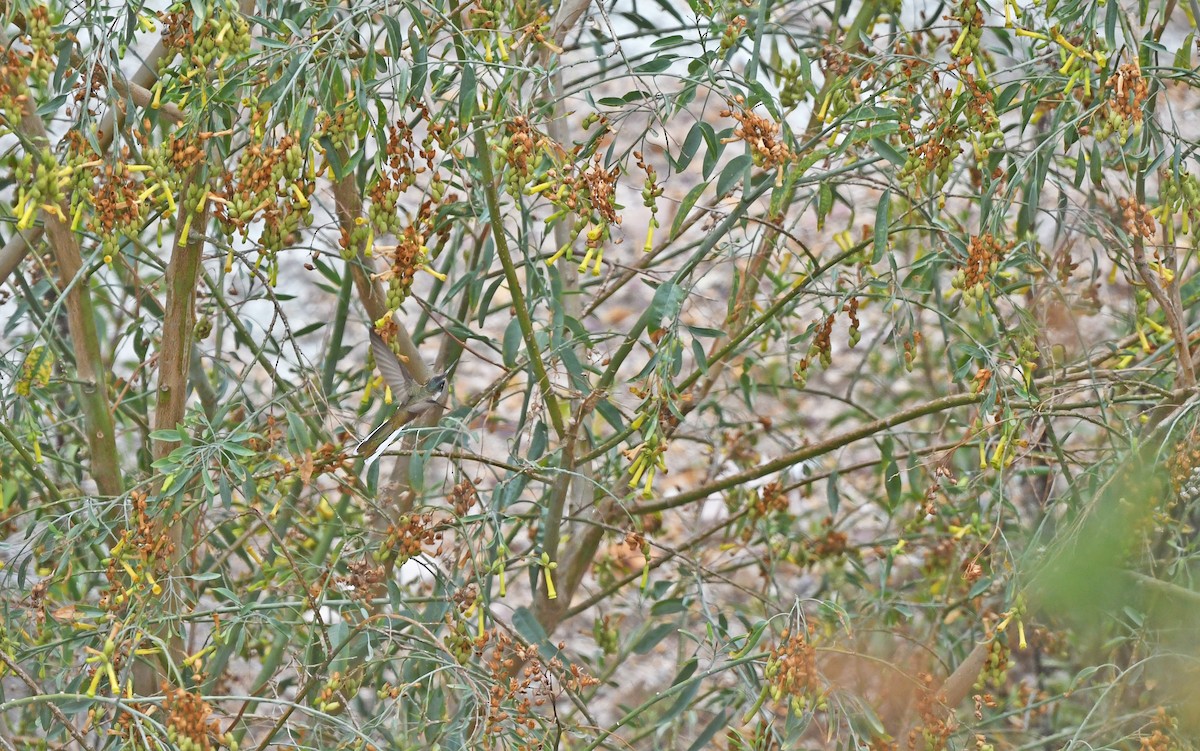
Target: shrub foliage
[{"x": 820, "y": 374}]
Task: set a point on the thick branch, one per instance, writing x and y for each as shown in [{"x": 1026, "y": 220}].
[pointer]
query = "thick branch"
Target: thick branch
[
  {"x": 370, "y": 291},
  {"x": 179, "y": 319},
  {"x": 952, "y": 692},
  {"x": 81, "y": 321}
]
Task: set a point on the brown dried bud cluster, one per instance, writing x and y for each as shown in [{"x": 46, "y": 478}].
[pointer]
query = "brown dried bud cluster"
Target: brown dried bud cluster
[
  {"x": 761, "y": 134},
  {"x": 1136, "y": 218}
]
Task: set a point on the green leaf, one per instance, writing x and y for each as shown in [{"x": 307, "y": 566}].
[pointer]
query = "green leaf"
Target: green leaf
[
  {"x": 886, "y": 151},
  {"x": 668, "y": 299},
  {"x": 686, "y": 697},
  {"x": 747, "y": 645},
  {"x": 651, "y": 638},
  {"x": 52, "y": 106},
  {"x": 824, "y": 203},
  {"x": 237, "y": 449},
  {"x": 699, "y": 356},
  {"x": 882, "y": 220},
  {"x": 670, "y": 41},
  {"x": 716, "y": 725},
  {"x": 286, "y": 82},
  {"x": 688, "y": 669},
  {"x": 733, "y": 174},
  {"x": 395, "y": 36},
  {"x": 610, "y": 414},
  {"x": 764, "y": 96},
  {"x": 980, "y": 587},
  {"x": 298, "y": 430},
  {"x": 714, "y": 150},
  {"x": 684, "y": 97},
  {"x": 892, "y": 483},
  {"x": 668, "y": 606},
  {"x": 685, "y": 208},
  {"x": 468, "y": 94},
  {"x": 512, "y": 342},
  {"x": 657, "y": 65},
  {"x": 537, "y": 444},
  {"x": 870, "y": 133},
  {"x": 1006, "y": 96},
  {"x": 1153, "y": 45},
  {"x": 869, "y": 113},
  {"x": 1110, "y": 25},
  {"x": 485, "y": 302},
  {"x": 526, "y": 624}
]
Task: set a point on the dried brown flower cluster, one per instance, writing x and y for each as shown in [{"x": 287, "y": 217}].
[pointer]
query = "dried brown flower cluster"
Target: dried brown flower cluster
[
  {"x": 1122, "y": 114},
  {"x": 1127, "y": 92},
  {"x": 188, "y": 725},
  {"x": 851, "y": 310},
  {"x": 996, "y": 665},
  {"x": 835, "y": 60},
  {"x": 407, "y": 538},
  {"x": 911, "y": 343},
  {"x": 335, "y": 691},
  {"x": 937, "y": 723},
  {"x": 224, "y": 32},
  {"x": 1161, "y": 734},
  {"x": 933, "y": 155},
  {"x": 1183, "y": 468},
  {"x": 970, "y": 16},
  {"x": 462, "y": 497},
  {"x": 364, "y": 581},
  {"x": 115, "y": 205},
  {"x": 770, "y": 499},
  {"x": 761, "y": 134},
  {"x": 1136, "y": 218},
  {"x": 589, "y": 194},
  {"x": 520, "y": 683},
  {"x": 402, "y": 163},
  {"x": 521, "y": 147},
  {"x": 829, "y": 544},
  {"x": 42, "y": 40},
  {"x": 268, "y": 185},
  {"x": 984, "y": 254},
  {"x": 732, "y": 33},
  {"x": 140, "y": 556},
  {"x": 599, "y": 189},
  {"x": 791, "y": 671},
  {"x": 822, "y": 345}
]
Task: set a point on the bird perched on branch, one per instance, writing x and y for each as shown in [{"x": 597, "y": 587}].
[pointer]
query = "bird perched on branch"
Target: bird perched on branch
[{"x": 412, "y": 399}]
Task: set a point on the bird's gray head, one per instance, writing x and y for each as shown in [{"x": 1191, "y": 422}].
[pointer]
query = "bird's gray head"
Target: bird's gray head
[{"x": 436, "y": 385}]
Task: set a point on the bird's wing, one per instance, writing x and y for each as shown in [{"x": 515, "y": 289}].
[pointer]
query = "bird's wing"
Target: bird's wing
[{"x": 394, "y": 372}]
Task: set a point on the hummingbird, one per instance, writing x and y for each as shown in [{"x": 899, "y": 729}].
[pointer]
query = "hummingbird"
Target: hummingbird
[{"x": 413, "y": 399}]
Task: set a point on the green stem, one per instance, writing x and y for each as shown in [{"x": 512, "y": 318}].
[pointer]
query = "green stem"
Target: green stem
[
  {"x": 814, "y": 450},
  {"x": 30, "y": 463},
  {"x": 514, "y": 284},
  {"x": 339, "y": 330},
  {"x": 81, "y": 321}
]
